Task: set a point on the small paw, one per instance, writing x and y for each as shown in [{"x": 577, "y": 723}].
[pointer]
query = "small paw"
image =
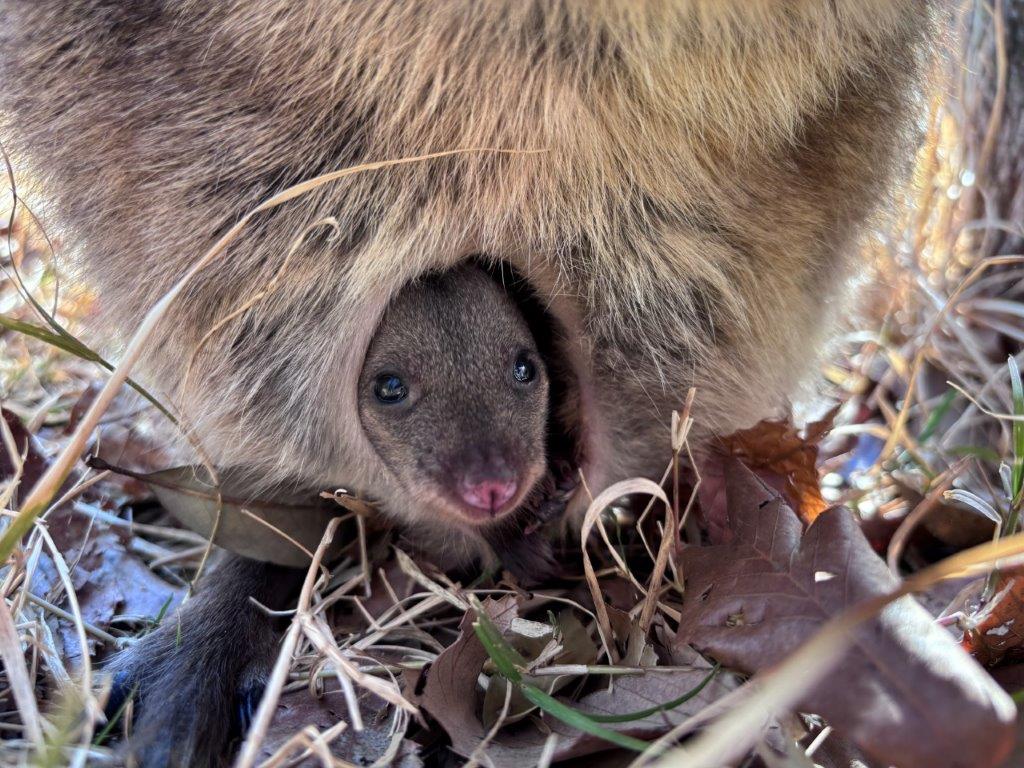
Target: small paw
[
  {"x": 249, "y": 697},
  {"x": 194, "y": 695}
]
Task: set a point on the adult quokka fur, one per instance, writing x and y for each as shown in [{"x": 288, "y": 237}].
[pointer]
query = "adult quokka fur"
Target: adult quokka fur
[{"x": 680, "y": 183}]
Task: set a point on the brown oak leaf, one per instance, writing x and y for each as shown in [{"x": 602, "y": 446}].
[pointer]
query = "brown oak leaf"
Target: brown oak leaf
[
  {"x": 998, "y": 628},
  {"x": 905, "y": 693}
]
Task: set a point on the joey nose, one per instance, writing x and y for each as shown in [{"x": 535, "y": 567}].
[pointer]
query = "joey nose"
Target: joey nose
[{"x": 488, "y": 495}]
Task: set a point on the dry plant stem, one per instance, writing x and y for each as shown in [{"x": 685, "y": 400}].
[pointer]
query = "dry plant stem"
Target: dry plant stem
[
  {"x": 592, "y": 517},
  {"x": 781, "y": 688},
  {"x": 547, "y": 754},
  {"x": 481, "y": 748},
  {"x": 413, "y": 571},
  {"x": 93, "y": 710},
  {"x": 13, "y": 452},
  {"x": 83, "y": 484},
  {"x": 983, "y": 409},
  {"x": 680, "y": 430},
  {"x": 320, "y": 635},
  {"x": 279, "y": 675},
  {"x": 896, "y": 435},
  {"x": 273, "y": 529},
  {"x": 18, "y": 677},
  {"x": 62, "y": 465},
  {"x": 312, "y": 741},
  {"x": 918, "y": 514},
  {"x": 429, "y": 604},
  {"x": 99, "y": 634}
]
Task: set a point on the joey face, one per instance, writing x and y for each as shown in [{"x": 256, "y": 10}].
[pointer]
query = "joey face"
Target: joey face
[{"x": 454, "y": 397}]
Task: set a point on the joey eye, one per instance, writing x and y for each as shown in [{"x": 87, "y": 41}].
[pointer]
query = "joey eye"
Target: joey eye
[
  {"x": 390, "y": 389},
  {"x": 523, "y": 370}
]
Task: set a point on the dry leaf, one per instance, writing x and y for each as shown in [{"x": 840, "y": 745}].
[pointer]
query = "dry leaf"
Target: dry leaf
[
  {"x": 256, "y": 528},
  {"x": 906, "y": 694},
  {"x": 998, "y": 628},
  {"x": 108, "y": 579},
  {"x": 300, "y": 709},
  {"x": 34, "y": 463},
  {"x": 447, "y": 690},
  {"x": 783, "y": 457}
]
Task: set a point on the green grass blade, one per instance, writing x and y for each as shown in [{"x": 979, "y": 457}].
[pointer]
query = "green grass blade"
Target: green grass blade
[
  {"x": 508, "y": 662},
  {"x": 1017, "y": 391},
  {"x": 65, "y": 342},
  {"x": 668, "y": 705},
  {"x": 502, "y": 654},
  {"x": 580, "y": 721},
  {"x": 932, "y": 425}
]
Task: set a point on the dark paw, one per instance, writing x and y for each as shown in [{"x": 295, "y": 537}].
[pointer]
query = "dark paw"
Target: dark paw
[
  {"x": 249, "y": 697},
  {"x": 190, "y": 701},
  {"x": 122, "y": 688}
]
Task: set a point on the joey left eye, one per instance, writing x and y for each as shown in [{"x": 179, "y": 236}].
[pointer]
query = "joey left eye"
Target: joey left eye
[
  {"x": 523, "y": 370},
  {"x": 390, "y": 389}
]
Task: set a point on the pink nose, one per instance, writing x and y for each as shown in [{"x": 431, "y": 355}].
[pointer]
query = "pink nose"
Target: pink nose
[{"x": 490, "y": 495}]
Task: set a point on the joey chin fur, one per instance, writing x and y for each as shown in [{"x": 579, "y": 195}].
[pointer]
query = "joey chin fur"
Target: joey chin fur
[{"x": 682, "y": 184}]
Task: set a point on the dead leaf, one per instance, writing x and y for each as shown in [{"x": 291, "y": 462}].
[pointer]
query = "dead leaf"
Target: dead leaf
[
  {"x": 780, "y": 455},
  {"x": 252, "y": 527},
  {"x": 300, "y": 709},
  {"x": 998, "y": 628},
  {"x": 34, "y": 463},
  {"x": 448, "y": 692},
  {"x": 108, "y": 579},
  {"x": 906, "y": 694},
  {"x": 528, "y": 638}
]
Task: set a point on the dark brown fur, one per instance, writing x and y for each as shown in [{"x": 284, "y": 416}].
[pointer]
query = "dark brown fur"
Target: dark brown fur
[
  {"x": 453, "y": 339},
  {"x": 198, "y": 678}
]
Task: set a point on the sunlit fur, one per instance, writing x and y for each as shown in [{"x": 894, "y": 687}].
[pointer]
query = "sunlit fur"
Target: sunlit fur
[{"x": 691, "y": 181}]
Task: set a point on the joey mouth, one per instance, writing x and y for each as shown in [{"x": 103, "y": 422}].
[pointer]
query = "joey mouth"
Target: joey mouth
[
  {"x": 489, "y": 501},
  {"x": 543, "y": 496}
]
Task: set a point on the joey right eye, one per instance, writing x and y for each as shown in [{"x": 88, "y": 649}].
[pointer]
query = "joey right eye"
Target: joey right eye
[{"x": 390, "y": 389}]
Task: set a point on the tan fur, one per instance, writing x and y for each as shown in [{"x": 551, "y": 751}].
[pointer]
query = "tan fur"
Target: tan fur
[{"x": 704, "y": 168}]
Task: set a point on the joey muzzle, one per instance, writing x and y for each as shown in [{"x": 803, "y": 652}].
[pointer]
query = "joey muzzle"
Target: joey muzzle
[{"x": 485, "y": 486}]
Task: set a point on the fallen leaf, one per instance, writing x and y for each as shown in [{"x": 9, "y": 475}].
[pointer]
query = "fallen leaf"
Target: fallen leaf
[
  {"x": 906, "y": 693},
  {"x": 300, "y": 709},
  {"x": 34, "y": 462},
  {"x": 576, "y": 647},
  {"x": 108, "y": 579},
  {"x": 448, "y": 692},
  {"x": 777, "y": 453},
  {"x": 252, "y": 527},
  {"x": 997, "y": 629}
]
